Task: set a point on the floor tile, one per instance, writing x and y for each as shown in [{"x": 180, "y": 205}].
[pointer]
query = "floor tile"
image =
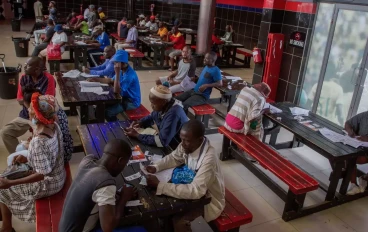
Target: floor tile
[
  {"x": 234, "y": 182},
  {"x": 277, "y": 225}
]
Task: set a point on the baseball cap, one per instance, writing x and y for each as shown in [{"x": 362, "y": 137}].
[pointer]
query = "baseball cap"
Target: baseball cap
[
  {"x": 152, "y": 17},
  {"x": 58, "y": 27},
  {"x": 141, "y": 16},
  {"x": 120, "y": 56},
  {"x": 92, "y": 6}
]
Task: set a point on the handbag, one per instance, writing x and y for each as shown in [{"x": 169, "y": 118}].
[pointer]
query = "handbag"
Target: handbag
[
  {"x": 53, "y": 51},
  {"x": 17, "y": 171}
]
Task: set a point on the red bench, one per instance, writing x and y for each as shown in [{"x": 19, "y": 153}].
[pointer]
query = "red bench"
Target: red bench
[
  {"x": 115, "y": 37},
  {"x": 54, "y": 64},
  {"x": 247, "y": 57},
  {"x": 49, "y": 209},
  {"x": 234, "y": 215},
  {"x": 137, "y": 113},
  {"x": 298, "y": 181},
  {"x": 136, "y": 57},
  {"x": 202, "y": 113}
]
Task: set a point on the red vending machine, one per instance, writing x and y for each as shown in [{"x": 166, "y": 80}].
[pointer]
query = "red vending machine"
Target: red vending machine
[{"x": 275, "y": 47}]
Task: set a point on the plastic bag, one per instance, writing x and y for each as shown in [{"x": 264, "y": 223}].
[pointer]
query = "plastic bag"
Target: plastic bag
[
  {"x": 17, "y": 171},
  {"x": 53, "y": 51},
  {"x": 182, "y": 175}
]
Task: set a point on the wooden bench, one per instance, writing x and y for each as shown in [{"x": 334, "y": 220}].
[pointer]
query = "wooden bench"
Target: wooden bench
[
  {"x": 202, "y": 113},
  {"x": 299, "y": 182},
  {"x": 137, "y": 113},
  {"x": 136, "y": 57},
  {"x": 247, "y": 57},
  {"x": 115, "y": 37},
  {"x": 234, "y": 215},
  {"x": 54, "y": 64},
  {"x": 49, "y": 209}
]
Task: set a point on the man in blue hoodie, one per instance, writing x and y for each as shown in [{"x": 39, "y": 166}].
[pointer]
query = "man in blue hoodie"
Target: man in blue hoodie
[
  {"x": 167, "y": 114},
  {"x": 105, "y": 69}
]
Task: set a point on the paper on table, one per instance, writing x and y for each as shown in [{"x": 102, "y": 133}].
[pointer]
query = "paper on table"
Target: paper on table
[
  {"x": 273, "y": 109},
  {"x": 345, "y": 139},
  {"x": 80, "y": 43},
  {"x": 133, "y": 203},
  {"x": 133, "y": 177},
  {"x": 233, "y": 78},
  {"x": 91, "y": 90},
  {"x": 299, "y": 111},
  {"x": 147, "y": 131},
  {"x": 88, "y": 75},
  {"x": 162, "y": 176},
  {"x": 143, "y": 181},
  {"x": 72, "y": 74}
]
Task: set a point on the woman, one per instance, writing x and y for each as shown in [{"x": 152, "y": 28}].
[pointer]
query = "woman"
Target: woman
[
  {"x": 59, "y": 38},
  {"x": 46, "y": 159}
]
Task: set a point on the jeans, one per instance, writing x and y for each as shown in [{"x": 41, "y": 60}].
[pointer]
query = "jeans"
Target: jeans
[
  {"x": 112, "y": 111},
  {"x": 39, "y": 48},
  {"x": 191, "y": 98},
  {"x": 94, "y": 57},
  {"x": 37, "y": 34}
]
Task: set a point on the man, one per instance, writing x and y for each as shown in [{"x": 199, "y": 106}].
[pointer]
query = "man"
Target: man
[
  {"x": 123, "y": 28},
  {"x": 94, "y": 189},
  {"x": 246, "y": 114},
  {"x": 186, "y": 70},
  {"x": 196, "y": 152},
  {"x": 101, "y": 13},
  {"x": 178, "y": 44},
  {"x": 141, "y": 22},
  {"x": 209, "y": 78},
  {"x": 44, "y": 82},
  {"x": 228, "y": 36},
  {"x": 72, "y": 19},
  {"x": 37, "y": 6},
  {"x": 82, "y": 25},
  {"x": 92, "y": 17},
  {"x": 162, "y": 31},
  {"x": 125, "y": 83},
  {"x": 49, "y": 34},
  {"x": 357, "y": 127},
  {"x": 168, "y": 115},
  {"x": 132, "y": 37},
  {"x": 107, "y": 68},
  {"x": 101, "y": 42},
  {"x": 151, "y": 24}
]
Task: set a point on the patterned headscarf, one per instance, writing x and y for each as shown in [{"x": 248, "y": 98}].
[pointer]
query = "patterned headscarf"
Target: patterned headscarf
[{"x": 45, "y": 108}]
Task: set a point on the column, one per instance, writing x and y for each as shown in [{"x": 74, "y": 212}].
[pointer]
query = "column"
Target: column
[{"x": 205, "y": 26}]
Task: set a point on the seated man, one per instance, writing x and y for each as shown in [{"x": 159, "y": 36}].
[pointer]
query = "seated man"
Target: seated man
[
  {"x": 92, "y": 17},
  {"x": 357, "y": 127},
  {"x": 246, "y": 114},
  {"x": 123, "y": 28},
  {"x": 209, "y": 78},
  {"x": 93, "y": 195},
  {"x": 151, "y": 24},
  {"x": 107, "y": 68},
  {"x": 49, "y": 34},
  {"x": 45, "y": 83},
  {"x": 168, "y": 115},
  {"x": 197, "y": 154},
  {"x": 141, "y": 21},
  {"x": 162, "y": 31},
  {"x": 126, "y": 83},
  {"x": 101, "y": 13},
  {"x": 179, "y": 42},
  {"x": 228, "y": 36},
  {"x": 186, "y": 70},
  {"x": 132, "y": 37},
  {"x": 101, "y": 42},
  {"x": 82, "y": 25}
]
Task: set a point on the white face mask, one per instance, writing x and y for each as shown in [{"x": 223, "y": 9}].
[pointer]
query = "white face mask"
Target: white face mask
[{"x": 34, "y": 121}]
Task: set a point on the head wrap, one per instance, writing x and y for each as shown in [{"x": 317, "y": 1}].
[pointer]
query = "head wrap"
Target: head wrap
[
  {"x": 162, "y": 92},
  {"x": 266, "y": 87},
  {"x": 45, "y": 108}
]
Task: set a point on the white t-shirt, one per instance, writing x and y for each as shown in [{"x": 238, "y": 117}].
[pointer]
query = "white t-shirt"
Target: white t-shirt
[
  {"x": 152, "y": 26},
  {"x": 59, "y": 39}
]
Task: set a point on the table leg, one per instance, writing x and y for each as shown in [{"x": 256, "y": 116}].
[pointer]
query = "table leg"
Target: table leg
[
  {"x": 231, "y": 102},
  {"x": 76, "y": 58},
  {"x": 100, "y": 112},
  {"x": 71, "y": 53},
  {"x": 334, "y": 179},
  {"x": 234, "y": 56},
  {"x": 85, "y": 55},
  {"x": 225, "y": 154},
  {"x": 350, "y": 166},
  {"x": 84, "y": 119},
  {"x": 162, "y": 57},
  {"x": 155, "y": 54}
]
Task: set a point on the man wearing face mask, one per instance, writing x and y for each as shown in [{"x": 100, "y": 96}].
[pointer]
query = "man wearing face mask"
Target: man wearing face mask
[
  {"x": 125, "y": 83},
  {"x": 168, "y": 115},
  {"x": 40, "y": 80}
]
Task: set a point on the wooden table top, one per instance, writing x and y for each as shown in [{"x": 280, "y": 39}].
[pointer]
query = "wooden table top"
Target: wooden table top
[
  {"x": 146, "y": 40},
  {"x": 72, "y": 96},
  {"x": 95, "y": 136},
  {"x": 315, "y": 139}
]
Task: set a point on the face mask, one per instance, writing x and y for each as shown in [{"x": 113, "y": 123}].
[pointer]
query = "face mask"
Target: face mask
[{"x": 34, "y": 121}]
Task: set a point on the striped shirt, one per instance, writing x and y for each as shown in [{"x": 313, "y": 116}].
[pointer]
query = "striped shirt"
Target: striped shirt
[{"x": 246, "y": 111}]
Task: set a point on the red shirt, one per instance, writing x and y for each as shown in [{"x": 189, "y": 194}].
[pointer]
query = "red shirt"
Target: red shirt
[
  {"x": 216, "y": 40},
  {"x": 178, "y": 40}
]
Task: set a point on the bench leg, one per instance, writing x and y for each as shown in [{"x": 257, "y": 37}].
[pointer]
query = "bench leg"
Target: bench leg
[
  {"x": 84, "y": 119},
  {"x": 134, "y": 63},
  {"x": 334, "y": 179},
  {"x": 205, "y": 120},
  {"x": 225, "y": 154},
  {"x": 100, "y": 113},
  {"x": 293, "y": 204}
]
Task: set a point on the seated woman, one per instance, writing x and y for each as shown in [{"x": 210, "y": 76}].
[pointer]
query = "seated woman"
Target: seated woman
[
  {"x": 82, "y": 25},
  {"x": 167, "y": 114},
  {"x": 17, "y": 197},
  {"x": 59, "y": 38}
]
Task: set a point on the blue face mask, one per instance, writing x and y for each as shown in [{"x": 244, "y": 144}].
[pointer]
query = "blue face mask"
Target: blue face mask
[{"x": 34, "y": 121}]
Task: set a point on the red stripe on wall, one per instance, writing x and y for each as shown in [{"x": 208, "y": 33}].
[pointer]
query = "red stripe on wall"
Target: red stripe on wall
[
  {"x": 248, "y": 3},
  {"x": 274, "y": 4},
  {"x": 303, "y": 7}
]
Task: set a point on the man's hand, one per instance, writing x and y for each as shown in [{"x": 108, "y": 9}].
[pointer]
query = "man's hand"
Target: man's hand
[
  {"x": 117, "y": 67},
  {"x": 151, "y": 169},
  {"x": 93, "y": 79},
  {"x": 86, "y": 70},
  {"x": 202, "y": 88},
  {"x": 152, "y": 181},
  {"x": 5, "y": 183},
  {"x": 129, "y": 193},
  {"x": 131, "y": 132},
  {"x": 134, "y": 124},
  {"x": 362, "y": 138},
  {"x": 19, "y": 159},
  {"x": 172, "y": 82}
]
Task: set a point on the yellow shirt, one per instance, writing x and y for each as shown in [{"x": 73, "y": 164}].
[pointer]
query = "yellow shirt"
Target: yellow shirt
[
  {"x": 162, "y": 31},
  {"x": 102, "y": 15}
]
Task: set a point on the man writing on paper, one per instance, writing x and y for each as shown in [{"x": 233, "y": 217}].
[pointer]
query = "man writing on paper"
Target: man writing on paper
[
  {"x": 357, "y": 127},
  {"x": 107, "y": 68},
  {"x": 93, "y": 194},
  {"x": 246, "y": 114},
  {"x": 168, "y": 115},
  {"x": 201, "y": 163}
]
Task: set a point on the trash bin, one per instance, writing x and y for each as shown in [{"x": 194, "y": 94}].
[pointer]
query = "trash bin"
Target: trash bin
[
  {"x": 15, "y": 24},
  {"x": 9, "y": 82},
  {"x": 21, "y": 46}
]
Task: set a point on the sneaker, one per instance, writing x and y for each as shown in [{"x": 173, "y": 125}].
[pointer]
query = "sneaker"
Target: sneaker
[
  {"x": 362, "y": 184},
  {"x": 354, "y": 189}
]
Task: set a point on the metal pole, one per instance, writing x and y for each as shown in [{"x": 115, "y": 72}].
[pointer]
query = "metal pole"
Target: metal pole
[{"x": 205, "y": 26}]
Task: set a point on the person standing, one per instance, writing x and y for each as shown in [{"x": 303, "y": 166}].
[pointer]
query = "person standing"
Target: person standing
[{"x": 37, "y": 6}]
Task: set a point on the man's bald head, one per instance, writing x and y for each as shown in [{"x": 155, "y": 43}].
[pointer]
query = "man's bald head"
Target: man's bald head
[
  {"x": 210, "y": 59},
  {"x": 34, "y": 66},
  {"x": 109, "y": 51},
  {"x": 194, "y": 126},
  {"x": 116, "y": 156}
]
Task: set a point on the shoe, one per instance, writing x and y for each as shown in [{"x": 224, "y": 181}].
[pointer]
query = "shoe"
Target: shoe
[
  {"x": 170, "y": 70},
  {"x": 362, "y": 184},
  {"x": 354, "y": 189}
]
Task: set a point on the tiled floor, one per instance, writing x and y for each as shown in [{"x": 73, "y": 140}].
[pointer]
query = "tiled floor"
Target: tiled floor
[{"x": 258, "y": 198}]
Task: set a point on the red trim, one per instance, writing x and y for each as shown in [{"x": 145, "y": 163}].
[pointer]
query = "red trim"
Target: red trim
[
  {"x": 248, "y": 3},
  {"x": 274, "y": 4},
  {"x": 303, "y": 7}
]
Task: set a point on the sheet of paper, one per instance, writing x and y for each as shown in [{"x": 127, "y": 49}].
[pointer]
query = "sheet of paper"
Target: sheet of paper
[
  {"x": 273, "y": 109},
  {"x": 97, "y": 90},
  {"x": 80, "y": 43},
  {"x": 156, "y": 158},
  {"x": 299, "y": 111},
  {"x": 133, "y": 177},
  {"x": 72, "y": 74},
  {"x": 102, "y": 93},
  {"x": 133, "y": 203},
  {"x": 89, "y": 84},
  {"x": 147, "y": 131},
  {"x": 143, "y": 181},
  {"x": 88, "y": 75},
  {"x": 233, "y": 78},
  {"x": 137, "y": 161},
  {"x": 162, "y": 176}
]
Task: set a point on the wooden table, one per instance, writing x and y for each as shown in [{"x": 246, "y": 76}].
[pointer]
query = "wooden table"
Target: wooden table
[
  {"x": 191, "y": 32},
  {"x": 95, "y": 136},
  {"x": 341, "y": 157},
  {"x": 72, "y": 97},
  {"x": 158, "y": 51},
  {"x": 79, "y": 50},
  {"x": 229, "y": 52}
]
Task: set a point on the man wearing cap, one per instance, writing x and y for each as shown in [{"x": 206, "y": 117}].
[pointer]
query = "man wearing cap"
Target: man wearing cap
[
  {"x": 179, "y": 42},
  {"x": 152, "y": 25},
  {"x": 126, "y": 83},
  {"x": 59, "y": 39},
  {"x": 49, "y": 30},
  {"x": 101, "y": 13},
  {"x": 168, "y": 115},
  {"x": 107, "y": 68},
  {"x": 101, "y": 42},
  {"x": 246, "y": 114},
  {"x": 92, "y": 17},
  {"x": 132, "y": 38}
]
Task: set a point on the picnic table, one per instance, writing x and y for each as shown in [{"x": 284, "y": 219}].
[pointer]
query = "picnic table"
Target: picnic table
[
  {"x": 95, "y": 136},
  {"x": 158, "y": 46},
  {"x": 80, "y": 50},
  {"x": 72, "y": 97},
  {"x": 341, "y": 157},
  {"x": 229, "y": 52},
  {"x": 188, "y": 31}
]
